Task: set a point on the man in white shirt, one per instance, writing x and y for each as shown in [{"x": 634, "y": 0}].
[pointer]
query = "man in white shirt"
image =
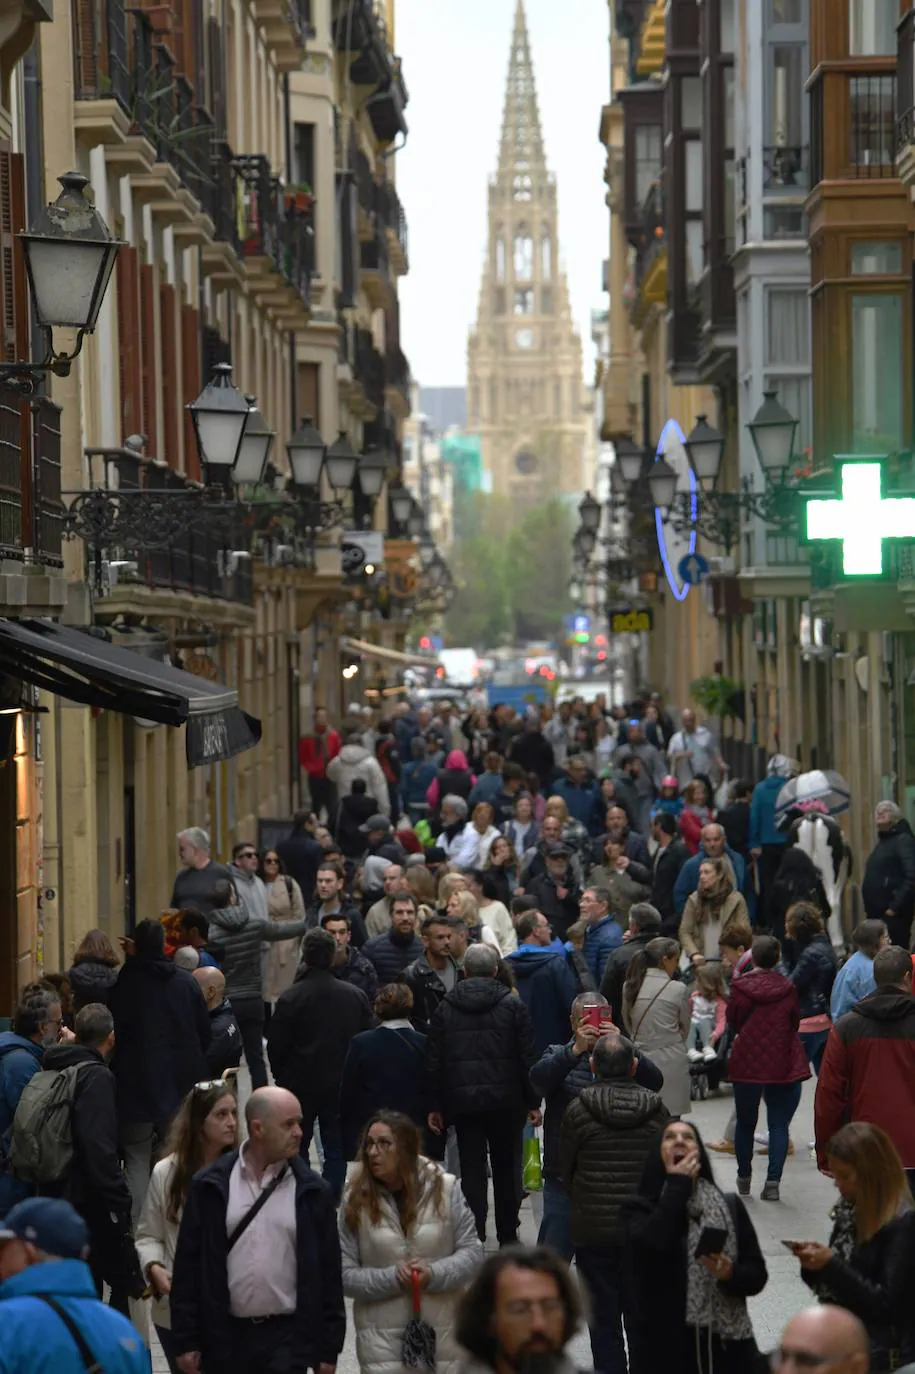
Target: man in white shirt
[
  {"x": 257, "y": 1285},
  {"x": 693, "y": 752}
]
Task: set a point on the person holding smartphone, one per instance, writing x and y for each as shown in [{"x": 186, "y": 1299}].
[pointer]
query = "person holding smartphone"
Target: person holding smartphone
[{"x": 694, "y": 1260}]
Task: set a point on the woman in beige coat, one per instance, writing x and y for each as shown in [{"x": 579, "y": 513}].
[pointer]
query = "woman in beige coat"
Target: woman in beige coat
[
  {"x": 710, "y": 910},
  {"x": 285, "y": 903},
  {"x": 656, "y": 1017}
]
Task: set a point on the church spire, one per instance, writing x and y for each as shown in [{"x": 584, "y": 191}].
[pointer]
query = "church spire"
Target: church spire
[{"x": 522, "y": 171}]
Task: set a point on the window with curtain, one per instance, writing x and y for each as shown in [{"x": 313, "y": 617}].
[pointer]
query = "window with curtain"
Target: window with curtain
[
  {"x": 876, "y": 372},
  {"x": 691, "y": 102},
  {"x": 647, "y": 159},
  {"x": 785, "y": 95},
  {"x": 787, "y": 327},
  {"x": 876, "y": 259},
  {"x": 872, "y": 27}
]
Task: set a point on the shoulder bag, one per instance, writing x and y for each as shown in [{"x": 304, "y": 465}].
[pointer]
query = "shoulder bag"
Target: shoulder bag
[
  {"x": 255, "y": 1207},
  {"x": 91, "y": 1363}
]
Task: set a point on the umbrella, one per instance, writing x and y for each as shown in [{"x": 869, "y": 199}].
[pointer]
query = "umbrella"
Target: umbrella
[
  {"x": 419, "y": 1337},
  {"x": 822, "y": 789}
]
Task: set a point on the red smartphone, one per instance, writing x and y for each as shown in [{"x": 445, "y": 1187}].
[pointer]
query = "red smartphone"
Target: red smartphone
[{"x": 598, "y": 1017}]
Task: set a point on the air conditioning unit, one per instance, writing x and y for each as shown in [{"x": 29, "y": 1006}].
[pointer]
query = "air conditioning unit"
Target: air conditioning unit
[{"x": 722, "y": 566}]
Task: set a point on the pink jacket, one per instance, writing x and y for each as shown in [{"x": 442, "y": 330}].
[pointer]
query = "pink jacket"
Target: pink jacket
[{"x": 721, "y": 1012}]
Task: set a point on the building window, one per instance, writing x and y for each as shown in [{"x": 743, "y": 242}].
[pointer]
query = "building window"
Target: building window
[
  {"x": 647, "y": 159},
  {"x": 500, "y": 259},
  {"x": 876, "y": 259},
  {"x": 872, "y": 28},
  {"x": 524, "y": 302},
  {"x": 786, "y": 11},
  {"x": 785, "y": 95},
  {"x": 524, "y": 257},
  {"x": 493, "y": 399},
  {"x": 692, "y": 160},
  {"x": 876, "y": 372},
  {"x": 546, "y": 256},
  {"x": 521, "y": 186},
  {"x": 304, "y": 155},
  {"x": 546, "y": 300},
  {"x": 726, "y": 27},
  {"x": 691, "y": 102},
  {"x": 787, "y": 328},
  {"x": 872, "y": 133},
  {"x": 693, "y": 251}
]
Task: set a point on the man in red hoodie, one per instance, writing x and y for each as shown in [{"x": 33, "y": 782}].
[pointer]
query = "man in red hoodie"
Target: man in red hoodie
[
  {"x": 315, "y": 752},
  {"x": 869, "y": 1062}
]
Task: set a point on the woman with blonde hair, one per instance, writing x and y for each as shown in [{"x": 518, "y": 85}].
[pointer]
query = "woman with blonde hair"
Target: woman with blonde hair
[
  {"x": 205, "y": 1127},
  {"x": 421, "y": 883},
  {"x": 405, "y": 1231},
  {"x": 465, "y": 907},
  {"x": 449, "y": 882},
  {"x": 657, "y": 1018},
  {"x": 710, "y": 910},
  {"x": 868, "y": 1267},
  {"x": 502, "y": 865},
  {"x": 473, "y": 846}
]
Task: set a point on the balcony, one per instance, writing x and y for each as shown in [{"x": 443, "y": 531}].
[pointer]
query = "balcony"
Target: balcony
[
  {"x": 299, "y": 264},
  {"x": 651, "y": 249},
  {"x": 221, "y": 259},
  {"x": 369, "y": 372},
  {"x": 786, "y": 181},
  {"x": 287, "y": 26},
  {"x": 359, "y": 30},
  {"x": 366, "y": 195},
  {"x": 397, "y": 382},
  {"x": 684, "y": 330},
  {"x": 905, "y": 99},
  {"x": 375, "y": 271},
  {"x": 394, "y": 221},
  {"x": 872, "y": 125}
]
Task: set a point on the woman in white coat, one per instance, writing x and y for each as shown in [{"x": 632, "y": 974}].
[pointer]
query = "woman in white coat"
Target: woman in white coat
[
  {"x": 657, "y": 1018},
  {"x": 402, "y": 1213},
  {"x": 206, "y": 1127}
]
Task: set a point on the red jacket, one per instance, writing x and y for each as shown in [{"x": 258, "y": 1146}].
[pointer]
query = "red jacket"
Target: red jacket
[
  {"x": 310, "y": 755},
  {"x": 868, "y": 1071},
  {"x": 764, "y": 1014}
]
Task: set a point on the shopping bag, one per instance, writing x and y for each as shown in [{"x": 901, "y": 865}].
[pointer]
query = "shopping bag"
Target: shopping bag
[{"x": 532, "y": 1175}]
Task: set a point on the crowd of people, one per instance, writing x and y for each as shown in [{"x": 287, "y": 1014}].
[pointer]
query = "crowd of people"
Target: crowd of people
[{"x": 491, "y": 942}]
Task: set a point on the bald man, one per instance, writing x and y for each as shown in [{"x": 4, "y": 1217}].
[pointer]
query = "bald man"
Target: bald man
[
  {"x": 225, "y": 1045},
  {"x": 824, "y": 1338},
  {"x": 257, "y": 1285}
]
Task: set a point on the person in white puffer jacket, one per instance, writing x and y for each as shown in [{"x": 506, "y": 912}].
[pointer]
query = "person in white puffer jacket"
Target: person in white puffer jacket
[{"x": 402, "y": 1212}]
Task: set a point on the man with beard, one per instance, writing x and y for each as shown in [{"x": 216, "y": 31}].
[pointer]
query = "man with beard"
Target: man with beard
[
  {"x": 391, "y": 952},
  {"x": 349, "y": 965},
  {"x": 619, "y": 830},
  {"x": 521, "y": 1311}
]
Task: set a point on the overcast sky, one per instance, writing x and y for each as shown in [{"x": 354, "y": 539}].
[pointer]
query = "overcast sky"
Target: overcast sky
[{"x": 455, "y": 56}]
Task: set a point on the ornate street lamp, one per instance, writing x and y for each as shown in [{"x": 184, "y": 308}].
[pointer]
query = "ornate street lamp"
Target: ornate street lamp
[
  {"x": 342, "y": 461},
  {"x": 589, "y": 513},
  {"x": 705, "y": 450},
  {"x": 662, "y": 483},
  {"x": 371, "y": 469},
  {"x": 416, "y": 520},
  {"x": 306, "y": 455},
  {"x": 629, "y": 460},
  {"x": 220, "y": 415},
  {"x": 401, "y": 499},
  {"x": 257, "y": 441},
  {"x": 772, "y": 430}
]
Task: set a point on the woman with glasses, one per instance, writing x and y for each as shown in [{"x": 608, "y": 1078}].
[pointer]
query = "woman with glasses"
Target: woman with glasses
[
  {"x": 694, "y": 1259},
  {"x": 284, "y": 903},
  {"x": 403, "y": 1221},
  {"x": 868, "y": 1266},
  {"x": 205, "y": 1128}
]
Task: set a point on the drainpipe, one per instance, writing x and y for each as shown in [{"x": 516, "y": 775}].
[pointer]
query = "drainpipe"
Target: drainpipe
[{"x": 34, "y": 163}]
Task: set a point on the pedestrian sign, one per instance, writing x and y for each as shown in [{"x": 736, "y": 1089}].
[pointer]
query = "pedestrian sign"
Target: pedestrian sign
[{"x": 861, "y": 517}]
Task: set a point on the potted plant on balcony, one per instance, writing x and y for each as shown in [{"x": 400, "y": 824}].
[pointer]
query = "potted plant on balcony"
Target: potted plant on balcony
[{"x": 299, "y": 197}]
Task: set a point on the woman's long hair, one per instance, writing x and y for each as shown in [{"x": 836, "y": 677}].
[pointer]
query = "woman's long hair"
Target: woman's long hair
[
  {"x": 97, "y": 948},
  {"x": 713, "y": 900},
  {"x": 185, "y": 1141},
  {"x": 364, "y": 1195},
  {"x": 881, "y": 1183},
  {"x": 652, "y": 956},
  {"x": 556, "y": 806}
]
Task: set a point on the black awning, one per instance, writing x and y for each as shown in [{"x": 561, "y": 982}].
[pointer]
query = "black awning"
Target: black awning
[{"x": 84, "y": 668}]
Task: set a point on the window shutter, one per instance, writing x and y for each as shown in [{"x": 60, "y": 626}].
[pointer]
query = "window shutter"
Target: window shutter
[
  {"x": 17, "y": 508},
  {"x": 88, "y": 49},
  {"x": 310, "y": 392},
  {"x": 148, "y": 358},
  {"x": 170, "y": 396},
  {"x": 217, "y": 80},
  {"x": 190, "y": 373},
  {"x": 197, "y": 73},
  {"x": 12, "y": 221},
  {"x": 128, "y": 307}
]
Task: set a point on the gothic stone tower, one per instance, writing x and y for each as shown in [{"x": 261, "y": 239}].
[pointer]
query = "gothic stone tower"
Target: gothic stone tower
[{"x": 526, "y": 398}]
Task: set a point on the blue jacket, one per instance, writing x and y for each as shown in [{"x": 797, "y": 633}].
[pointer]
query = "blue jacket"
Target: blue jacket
[
  {"x": 583, "y": 803},
  {"x": 415, "y": 780},
  {"x": 688, "y": 879},
  {"x": 854, "y": 980},
  {"x": 762, "y": 813},
  {"x": 19, "y": 1060},
  {"x": 547, "y": 986},
  {"x": 600, "y": 942},
  {"x": 34, "y": 1340},
  {"x": 486, "y": 787}
]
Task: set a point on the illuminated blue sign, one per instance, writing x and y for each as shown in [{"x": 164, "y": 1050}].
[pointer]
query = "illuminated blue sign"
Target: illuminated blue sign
[{"x": 671, "y": 447}]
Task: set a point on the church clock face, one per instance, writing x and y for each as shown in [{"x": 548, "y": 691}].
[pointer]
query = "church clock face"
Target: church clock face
[{"x": 524, "y": 338}]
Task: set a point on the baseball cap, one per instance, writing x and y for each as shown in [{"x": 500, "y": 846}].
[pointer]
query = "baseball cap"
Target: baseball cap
[
  {"x": 558, "y": 851},
  {"x": 50, "y": 1224},
  {"x": 376, "y": 822}
]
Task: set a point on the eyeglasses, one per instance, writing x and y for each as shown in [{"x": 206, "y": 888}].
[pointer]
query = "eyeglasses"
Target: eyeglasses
[
  {"x": 268, "y": 860},
  {"x": 212, "y": 1083},
  {"x": 804, "y": 1359},
  {"x": 525, "y": 1307},
  {"x": 248, "y": 854},
  {"x": 382, "y": 1145}
]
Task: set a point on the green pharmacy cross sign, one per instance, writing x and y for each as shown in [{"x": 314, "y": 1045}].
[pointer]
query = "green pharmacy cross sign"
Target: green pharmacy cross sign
[{"x": 861, "y": 517}]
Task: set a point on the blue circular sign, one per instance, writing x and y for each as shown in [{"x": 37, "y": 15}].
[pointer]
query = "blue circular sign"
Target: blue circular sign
[{"x": 692, "y": 569}]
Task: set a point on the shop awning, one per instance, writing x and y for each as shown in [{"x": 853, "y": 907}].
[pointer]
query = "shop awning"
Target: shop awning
[
  {"x": 84, "y": 668},
  {"x": 385, "y": 655}
]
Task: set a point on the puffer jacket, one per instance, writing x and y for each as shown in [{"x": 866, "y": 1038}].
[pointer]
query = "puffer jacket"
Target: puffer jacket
[
  {"x": 390, "y": 953},
  {"x": 358, "y": 971},
  {"x": 813, "y": 974},
  {"x": 764, "y": 1015},
  {"x": 91, "y": 981},
  {"x": 606, "y": 1136},
  {"x": 480, "y": 1051},
  {"x": 35, "y": 1341},
  {"x": 445, "y": 1239},
  {"x": 235, "y": 939},
  {"x": 355, "y": 761}
]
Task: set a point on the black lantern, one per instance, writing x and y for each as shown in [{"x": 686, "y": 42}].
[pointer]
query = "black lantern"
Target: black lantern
[
  {"x": 257, "y": 441},
  {"x": 629, "y": 460},
  {"x": 589, "y": 513},
  {"x": 69, "y": 256},
  {"x": 306, "y": 455},
  {"x": 371, "y": 467},
  {"x": 662, "y": 483},
  {"x": 772, "y": 430},
  {"x": 220, "y": 415},
  {"x": 341, "y": 462},
  {"x": 705, "y": 450}
]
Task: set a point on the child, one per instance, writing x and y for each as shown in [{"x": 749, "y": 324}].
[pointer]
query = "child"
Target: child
[
  {"x": 669, "y": 798},
  {"x": 708, "y": 1009}
]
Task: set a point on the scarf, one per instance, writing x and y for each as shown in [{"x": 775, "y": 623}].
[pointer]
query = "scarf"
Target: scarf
[{"x": 707, "y": 1304}]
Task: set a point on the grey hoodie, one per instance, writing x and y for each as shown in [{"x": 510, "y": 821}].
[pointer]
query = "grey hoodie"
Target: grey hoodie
[
  {"x": 251, "y": 893},
  {"x": 235, "y": 939}
]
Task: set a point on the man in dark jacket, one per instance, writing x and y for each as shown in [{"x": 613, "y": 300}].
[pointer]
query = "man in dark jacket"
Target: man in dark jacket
[
  {"x": 354, "y": 811},
  {"x": 533, "y": 752},
  {"x": 237, "y": 938},
  {"x": 580, "y": 794},
  {"x": 36, "y": 1027},
  {"x": 714, "y": 846},
  {"x": 619, "y": 829},
  {"x": 391, "y": 952},
  {"x": 162, "y": 1033},
  {"x": 545, "y": 979},
  {"x": 556, "y": 892},
  {"x": 301, "y": 853},
  {"x": 225, "y": 1046},
  {"x": 605, "y": 1139},
  {"x": 888, "y": 885},
  {"x": 644, "y": 925},
  {"x": 280, "y": 1306},
  {"x": 559, "y": 1076},
  {"x": 434, "y": 973},
  {"x": 349, "y": 965},
  {"x": 870, "y": 1061},
  {"x": 195, "y": 881},
  {"x": 669, "y": 857},
  {"x": 94, "y": 1184},
  {"x": 307, "y": 1040},
  {"x": 479, "y": 1055}
]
